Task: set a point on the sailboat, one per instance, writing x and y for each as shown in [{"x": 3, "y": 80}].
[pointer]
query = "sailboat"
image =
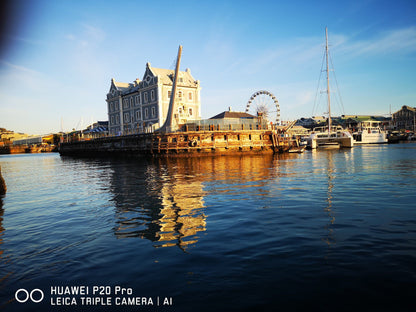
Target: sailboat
[{"x": 329, "y": 136}]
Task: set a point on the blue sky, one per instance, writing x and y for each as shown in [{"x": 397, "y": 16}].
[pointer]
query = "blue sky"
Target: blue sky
[{"x": 57, "y": 58}]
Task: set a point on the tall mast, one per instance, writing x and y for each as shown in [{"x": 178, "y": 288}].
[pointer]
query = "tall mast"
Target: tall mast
[
  {"x": 168, "y": 125},
  {"x": 327, "y": 81}
]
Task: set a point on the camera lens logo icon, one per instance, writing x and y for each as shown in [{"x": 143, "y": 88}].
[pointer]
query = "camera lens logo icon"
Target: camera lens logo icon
[{"x": 22, "y": 295}]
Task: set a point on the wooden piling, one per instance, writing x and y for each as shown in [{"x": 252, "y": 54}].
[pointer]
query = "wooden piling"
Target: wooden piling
[{"x": 3, "y": 187}]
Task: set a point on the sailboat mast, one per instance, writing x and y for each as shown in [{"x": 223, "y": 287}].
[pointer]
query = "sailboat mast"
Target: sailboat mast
[{"x": 327, "y": 82}]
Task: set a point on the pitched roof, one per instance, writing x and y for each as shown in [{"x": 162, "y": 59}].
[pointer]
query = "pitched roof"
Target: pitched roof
[
  {"x": 185, "y": 78},
  {"x": 228, "y": 114},
  {"x": 122, "y": 85}
]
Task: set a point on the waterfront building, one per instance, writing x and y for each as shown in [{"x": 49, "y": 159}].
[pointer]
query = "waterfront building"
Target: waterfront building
[
  {"x": 36, "y": 139},
  {"x": 404, "y": 119},
  {"x": 306, "y": 122},
  {"x": 230, "y": 115},
  {"x": 96, "y": 130},
  {"x": 142, "y": 106}
]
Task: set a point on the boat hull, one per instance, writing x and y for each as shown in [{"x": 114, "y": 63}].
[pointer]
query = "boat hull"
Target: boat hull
[
  {"x": 369, "y": 138},
  {"x": 196, "y": 143},
  {"x": 318, "y": 140}
]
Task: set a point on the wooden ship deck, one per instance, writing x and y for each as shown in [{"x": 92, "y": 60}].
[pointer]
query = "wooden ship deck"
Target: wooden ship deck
[{"x": 188, "y": 144}]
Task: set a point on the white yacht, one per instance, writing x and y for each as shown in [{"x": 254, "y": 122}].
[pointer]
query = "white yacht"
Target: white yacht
[{"x": 369, "y": 132}]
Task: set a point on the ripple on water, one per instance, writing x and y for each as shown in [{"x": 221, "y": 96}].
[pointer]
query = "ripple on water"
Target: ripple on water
[{"x": 223, "y": 233}]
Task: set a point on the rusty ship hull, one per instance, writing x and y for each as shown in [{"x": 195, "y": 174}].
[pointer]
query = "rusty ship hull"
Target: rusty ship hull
[{"x": 191, "y": 143}]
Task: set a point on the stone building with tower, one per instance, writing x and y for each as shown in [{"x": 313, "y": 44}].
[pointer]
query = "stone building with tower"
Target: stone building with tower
[{"x": 142, "y": 106}]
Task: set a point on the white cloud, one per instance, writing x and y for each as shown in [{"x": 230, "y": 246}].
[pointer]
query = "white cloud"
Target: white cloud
[
  {"x": 18, "y": 68},
  {"x": 400, "y": 41},
  {"x": 20, "y": 79},
  {"x": 88, "y": 35},
  {"x": 92, "y": 33}
]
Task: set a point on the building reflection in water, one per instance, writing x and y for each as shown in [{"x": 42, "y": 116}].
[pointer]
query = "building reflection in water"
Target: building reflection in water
[
  {"x": 157, "y": 202},
  {"x": 162, "y": 200}
]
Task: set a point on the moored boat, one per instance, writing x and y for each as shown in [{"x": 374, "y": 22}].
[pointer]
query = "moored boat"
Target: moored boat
[
  {"x": 370, "y": 132},
  {"x": 322, "y": 137},
  {"x": 329, "y": 136}
]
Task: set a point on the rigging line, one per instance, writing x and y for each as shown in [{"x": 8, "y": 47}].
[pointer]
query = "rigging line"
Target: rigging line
[
  {"x": 336, "y": 82},
  {"x": 319, "y": 81}
]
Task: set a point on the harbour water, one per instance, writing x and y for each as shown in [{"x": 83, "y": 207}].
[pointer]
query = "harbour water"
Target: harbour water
[{"x": 323, "y": 230}]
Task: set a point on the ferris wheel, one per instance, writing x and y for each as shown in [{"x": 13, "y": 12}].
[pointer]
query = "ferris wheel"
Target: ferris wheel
[{"x": 265, "y": 103}]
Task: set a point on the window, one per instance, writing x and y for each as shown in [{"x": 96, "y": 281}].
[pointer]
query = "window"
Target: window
[
  {"x": 180, "y": 94},
  {"x": 180, "y": 110},
  {"x": 153, "y": 112},
  {"x": 137, "y": 98},
  {"x": 131, "y": 102},
  {"x": 190, "y": 96},
  {"x": 190, "y": 111},
  {"x": 125, "y": 103},
  {"x": 169, "y": 94},
  {"x": 138, "y": 115},
  {"x": 117, "y": 119},
  {"x": 146, "y": 113},
  {"x": 112, "y": 120},
  {"x": 111, "y": 106},
  {"x": 152, "y": 95},
  {"x": 145, "y": 97}
]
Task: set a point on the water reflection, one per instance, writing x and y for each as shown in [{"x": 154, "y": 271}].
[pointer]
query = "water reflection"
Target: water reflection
[
  {"x": 162, "y": 200},
  {"x": 329, "y": 209},
  {"x": 1, "y": 227},
  {"x": 3, "y": 260}
]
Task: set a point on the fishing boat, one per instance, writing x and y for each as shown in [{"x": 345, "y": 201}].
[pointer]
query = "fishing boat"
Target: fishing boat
[
  {"x": 370, "y": 132},
  {"x": 329, "y": 136}
]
